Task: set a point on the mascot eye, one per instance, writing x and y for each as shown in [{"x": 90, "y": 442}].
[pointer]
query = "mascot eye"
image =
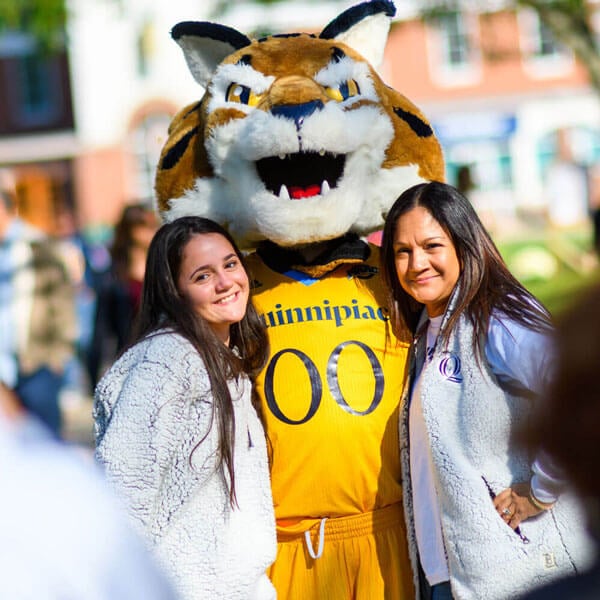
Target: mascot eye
[
  {"x": 348, "y": 89},
  {"x": 236, "y": 92}
]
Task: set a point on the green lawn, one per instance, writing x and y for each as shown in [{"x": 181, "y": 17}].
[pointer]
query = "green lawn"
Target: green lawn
[{"x": 555, "y": 267}]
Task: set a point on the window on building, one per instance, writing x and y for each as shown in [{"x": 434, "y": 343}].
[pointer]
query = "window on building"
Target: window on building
[
  {"x": 491, "y": 172},
  {"x": 35, "y": 93},
  {"x": 43, "y": 190},
  {"x": 543, "y": 55},
  {"x": 38, "y": 98},
  {"x": 546, "y": 43},
  {"x": 489, "y": 161},
  {"x": 452, "y": 49},
  {"x": 455, "y": 40}
]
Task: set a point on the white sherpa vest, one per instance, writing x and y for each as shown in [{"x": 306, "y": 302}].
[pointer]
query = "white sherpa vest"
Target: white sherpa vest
[{"x": 471, "y": 423}]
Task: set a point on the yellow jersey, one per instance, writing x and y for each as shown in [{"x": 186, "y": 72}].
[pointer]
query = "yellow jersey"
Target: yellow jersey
[{"x": 330, "y": 392}]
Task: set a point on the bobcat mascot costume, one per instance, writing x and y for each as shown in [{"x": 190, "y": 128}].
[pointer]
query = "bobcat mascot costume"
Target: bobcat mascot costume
[{"x": 299, "y": 148}]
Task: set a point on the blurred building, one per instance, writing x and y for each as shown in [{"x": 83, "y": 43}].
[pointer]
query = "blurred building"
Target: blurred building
[
  {"x": 82, "y": 129},
  {"x": 507, "y": 102}
]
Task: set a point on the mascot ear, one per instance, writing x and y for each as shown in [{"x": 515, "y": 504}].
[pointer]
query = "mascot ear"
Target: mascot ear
[
  {"x": 205, "y": 45},
  {"x": 364, "y": 28}
]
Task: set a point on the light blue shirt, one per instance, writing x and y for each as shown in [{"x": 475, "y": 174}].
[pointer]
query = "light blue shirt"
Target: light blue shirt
[
  {"x": 522, "y": 359},
  {"x": 8, "y": 361},
  {"x": 17, "y": 231}
]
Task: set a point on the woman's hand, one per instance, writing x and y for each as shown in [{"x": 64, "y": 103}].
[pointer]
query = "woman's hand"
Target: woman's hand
[{"x": 514, "y": 506}]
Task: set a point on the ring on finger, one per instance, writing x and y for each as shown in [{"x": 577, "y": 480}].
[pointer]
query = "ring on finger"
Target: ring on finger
[{"x": 506, "y": 512}]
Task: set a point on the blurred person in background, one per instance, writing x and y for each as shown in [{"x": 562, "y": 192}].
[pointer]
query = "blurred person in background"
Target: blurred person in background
[
  {"x": 594, "y": 205},
  {"x": 87, "y": 265},
  {"x": 464, "y": 180},
  {"x": 567, "y": 185},
  {"x": 62, "y": 535},
  {"x": 37, "y": 315},
  {"x": 120, "y": 292},
  {"x": 568, "y": 427}
]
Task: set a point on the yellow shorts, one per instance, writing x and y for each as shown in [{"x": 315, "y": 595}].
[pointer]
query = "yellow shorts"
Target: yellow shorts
[{"x": 364, "y": 557}]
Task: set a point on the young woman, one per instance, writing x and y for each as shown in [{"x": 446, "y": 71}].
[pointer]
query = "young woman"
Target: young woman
[
  {"x": 175, "y": 426},
  {"x": 484, "y": 520}
]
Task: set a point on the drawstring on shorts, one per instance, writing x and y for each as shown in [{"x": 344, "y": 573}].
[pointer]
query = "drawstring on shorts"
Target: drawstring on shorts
[
  {"x": 341, "y": 528},
  {"x": 309, "y": 545}
]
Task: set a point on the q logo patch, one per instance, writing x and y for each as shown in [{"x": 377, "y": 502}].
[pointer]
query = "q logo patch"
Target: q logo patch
[{"x": 450, "y": 368}]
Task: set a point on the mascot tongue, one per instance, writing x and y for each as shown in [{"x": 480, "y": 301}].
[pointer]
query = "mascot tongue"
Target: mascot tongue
[{"x": 297, "y": 192}]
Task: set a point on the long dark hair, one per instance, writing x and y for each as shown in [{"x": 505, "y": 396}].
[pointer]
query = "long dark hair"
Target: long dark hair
[
  {"x": 485, "y": 284},
  {"x": 163, "y": 307}
]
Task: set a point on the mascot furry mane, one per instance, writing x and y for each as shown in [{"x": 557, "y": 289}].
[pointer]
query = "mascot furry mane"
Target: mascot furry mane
[{"x": 297, "y": 139}]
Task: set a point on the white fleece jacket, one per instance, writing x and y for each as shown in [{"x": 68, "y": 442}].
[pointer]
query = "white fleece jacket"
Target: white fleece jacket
[
  {"x": 156, "y": 439},
  {"x": 471, "y": 423}
]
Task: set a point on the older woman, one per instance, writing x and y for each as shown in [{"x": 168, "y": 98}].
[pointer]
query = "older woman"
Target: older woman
[{"x": 485, "y": 521}]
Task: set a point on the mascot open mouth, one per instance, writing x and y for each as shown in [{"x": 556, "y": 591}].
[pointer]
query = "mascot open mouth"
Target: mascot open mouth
[{"x": 301, "y": 175}]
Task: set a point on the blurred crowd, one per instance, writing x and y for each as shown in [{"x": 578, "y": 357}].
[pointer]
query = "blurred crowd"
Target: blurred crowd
[{"x": 66, "y": 303}]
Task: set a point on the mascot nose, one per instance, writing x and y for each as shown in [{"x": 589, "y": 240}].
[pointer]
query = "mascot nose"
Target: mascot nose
[{"x": 297, "y": 112}]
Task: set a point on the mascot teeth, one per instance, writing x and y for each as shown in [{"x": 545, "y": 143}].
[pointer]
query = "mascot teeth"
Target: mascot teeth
[
  {"x": 284, "y": 193},
  {"x": 301, "y": 175}
]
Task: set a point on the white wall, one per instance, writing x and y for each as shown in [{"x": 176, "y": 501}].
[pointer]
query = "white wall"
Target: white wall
[{"x": 107, "y": 89}]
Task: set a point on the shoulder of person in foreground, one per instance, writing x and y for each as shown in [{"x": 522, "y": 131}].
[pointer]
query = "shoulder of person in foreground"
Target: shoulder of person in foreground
[
  {"x": 583, "y": 586},
  {"x": 62, "y": 534}
]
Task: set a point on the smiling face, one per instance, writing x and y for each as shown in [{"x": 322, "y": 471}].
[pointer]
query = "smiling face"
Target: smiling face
[
  {"x": 214, "y": 282},
  {"x": 426, "y": 262}
]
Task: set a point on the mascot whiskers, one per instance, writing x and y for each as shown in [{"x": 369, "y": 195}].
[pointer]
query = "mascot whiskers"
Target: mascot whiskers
[{"x": 299, "y": 148}]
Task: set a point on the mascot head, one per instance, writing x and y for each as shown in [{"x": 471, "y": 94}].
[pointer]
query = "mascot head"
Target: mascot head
[{"x": 297, "y": 139}]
